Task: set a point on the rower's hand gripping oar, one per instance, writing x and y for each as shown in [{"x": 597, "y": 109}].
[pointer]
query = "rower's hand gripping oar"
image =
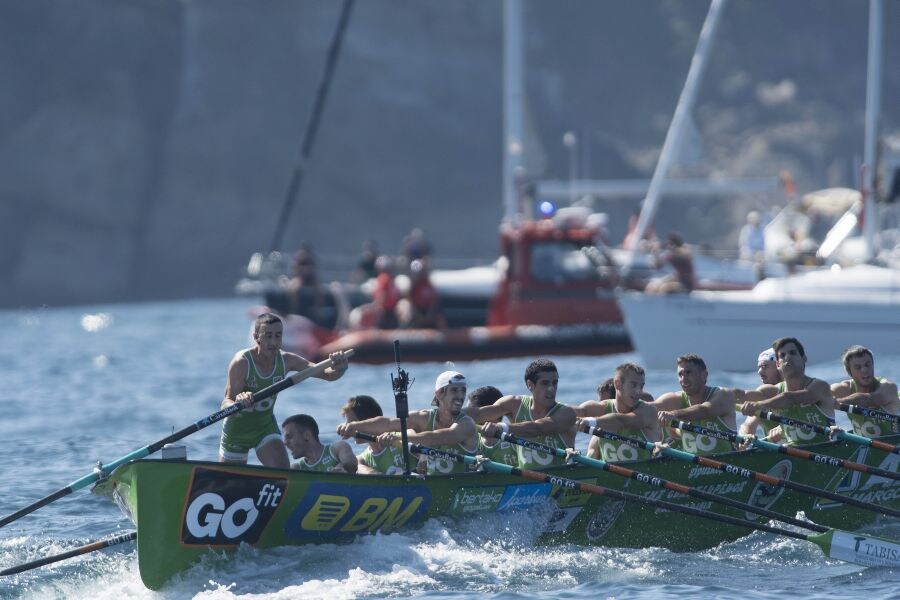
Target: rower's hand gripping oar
[
  {"x": 831, "y": 432},
  {"x": 870, "y": 413},
  {"x": 851, "y": 547},
  {"x": 104, "y": 470},
  {"x": 92, "y": 547}
]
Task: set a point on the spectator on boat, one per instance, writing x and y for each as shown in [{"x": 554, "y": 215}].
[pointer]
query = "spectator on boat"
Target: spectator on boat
[
  {"x": 630, "y": 413},
  {"x": 752, "y": 238},
  {"x": 769, "y": 374},
  {"x": 798, "y": 397},
  {"x": 376, "y": 458},
  {"x": 301, "y": 436},
  {"x": 306, "y": 295},
  {"x": 445, "y": 427},
  {"x": 708, "y": 406},
  {"x": 421, "y": 308},
  {"x": 866, "y": 390},
  {"x": 493, "y": 449},
  {"x": 801, "y": 250},
  {"x": 381, "y": 312},
  {"x": 365, "y": 266},
  {"x": 254, "y": 369},
  {"x": 677, "y": 255},
  {"x": 416, "y": 247},
  {"x": 538, "y": 416}
]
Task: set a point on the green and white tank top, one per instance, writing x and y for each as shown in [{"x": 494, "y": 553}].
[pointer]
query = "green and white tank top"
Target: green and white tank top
[
  {"x": 261, "y": 412},
  {"x": 534, "y": 459},
  {"x": 863, "y": 425},
  {"x": 443, "y": 466},
  {"x": 389, "y": 461},
  {"x": 324, "y": 464},
  {"x": 502, "y": 452},
  {"x": 809, "y": 413},
  {"x": 614, "y": 451},
  {"x": 704, "y": 444}
]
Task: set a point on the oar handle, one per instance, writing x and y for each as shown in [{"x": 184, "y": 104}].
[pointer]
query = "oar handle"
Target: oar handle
[
  {"x": 99, "y": 545},
  {"x": 868, "y": 412}
]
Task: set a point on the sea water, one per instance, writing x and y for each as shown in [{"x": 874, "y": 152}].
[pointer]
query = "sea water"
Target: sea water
[{"x": 94, "y": 383}]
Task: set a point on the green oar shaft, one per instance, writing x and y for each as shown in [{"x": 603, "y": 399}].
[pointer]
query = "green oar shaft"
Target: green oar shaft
[
  {"x": 870, "y": 413},
  {"x": 839, "y": 433},
  {"x": 92, "y": 547},
  {"x": 663, "y": 483},
  {"x": 833, "y": 543},
  {"x": 105, "y": 470},
  {"x": 742, "y": 471}
]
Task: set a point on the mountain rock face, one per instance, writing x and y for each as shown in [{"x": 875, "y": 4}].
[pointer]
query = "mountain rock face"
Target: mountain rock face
[{"x": 146, "y": 147}]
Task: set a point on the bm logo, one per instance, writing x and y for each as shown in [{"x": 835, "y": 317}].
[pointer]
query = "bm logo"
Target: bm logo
[
  {"x": 330, "y": 511},
  {"x": 226, "y": 507}
]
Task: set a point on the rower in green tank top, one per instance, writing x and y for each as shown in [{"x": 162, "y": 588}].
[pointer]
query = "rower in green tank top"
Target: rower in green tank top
[
  {"x": 866, "y": 390},
  {"x": 631, "y": 413},
  {"x": 537, "y": 417},
  {"x": 499, "y": 451},
  {"x": 446, "y": 427},
  {"x": 698, "y": 403},
  {"x": 254, "y": 369},
  {"x": 301, "y": 437},
  {"x": 797, "y": 397},
  {"x": 376, "y": 458}
]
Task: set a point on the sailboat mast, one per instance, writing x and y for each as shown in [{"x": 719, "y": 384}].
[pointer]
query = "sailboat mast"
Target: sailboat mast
[
  {"x": 513, "y": 102},
  {"x": 873, "y": 113}
]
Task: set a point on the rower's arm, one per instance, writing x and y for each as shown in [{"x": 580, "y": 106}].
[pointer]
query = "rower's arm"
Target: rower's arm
[
  {"x": 562, "y": 422},
  {"x": 818, "y": 392},
  {"x": 720, "y": 405},
  {"x": 460, "y": 432},
  {"x": 372, "y": 426},
  {"x": 237, "y": 379},
  {"x": 616, "y": 422},
  {"x": 884, "y": 398},
  {"x": 345, "y": 456},
  {"x": 591, "y": 408},
  {"x": 505, "y": 406},
  {"x": 295, "y": 362}
]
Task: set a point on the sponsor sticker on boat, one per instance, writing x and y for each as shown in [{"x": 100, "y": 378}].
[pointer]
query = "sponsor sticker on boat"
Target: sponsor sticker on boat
[{"x": 476, "y": 499}]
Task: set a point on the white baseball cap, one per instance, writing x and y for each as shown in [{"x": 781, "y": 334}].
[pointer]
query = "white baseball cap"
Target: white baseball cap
[
  {"x": 449, "y": 378},
  {"x": 765, "y": 356}
]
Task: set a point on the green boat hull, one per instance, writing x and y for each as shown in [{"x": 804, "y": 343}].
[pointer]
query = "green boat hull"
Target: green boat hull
[{"x": 184, "y": 508}]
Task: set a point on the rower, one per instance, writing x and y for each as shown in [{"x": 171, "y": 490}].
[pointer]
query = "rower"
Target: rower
[
  {"x": 301, "y": 436},
  {"x": 376, "y": 458},
  {"x": 538, "y": 417},
  {"x": 707, "y": 406},
  {"x": 499, "y": 451},
  {"x": 798, "y": 397},
  {"x": 866, "y": 390},
  {"x": 628, "y": 414},
  {"x": 445, "y": 427},
  {"x": 767, "y": 369}
]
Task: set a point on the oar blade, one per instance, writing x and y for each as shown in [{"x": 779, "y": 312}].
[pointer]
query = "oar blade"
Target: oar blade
[{"x": 858, "y": 548}]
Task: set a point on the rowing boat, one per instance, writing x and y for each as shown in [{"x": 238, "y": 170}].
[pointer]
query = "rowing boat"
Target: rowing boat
[{"x": 184, "y": 508}]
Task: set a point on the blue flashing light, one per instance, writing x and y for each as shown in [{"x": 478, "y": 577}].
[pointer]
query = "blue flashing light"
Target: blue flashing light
[{"x": 547, "y": 208}]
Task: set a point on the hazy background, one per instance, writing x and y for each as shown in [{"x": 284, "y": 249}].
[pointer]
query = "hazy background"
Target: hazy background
[{"x": 146, "y": 146}]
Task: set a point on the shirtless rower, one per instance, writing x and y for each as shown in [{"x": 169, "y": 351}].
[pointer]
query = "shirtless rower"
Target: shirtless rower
[
  {"x": 301, "y": 436},
  {"x": 537, "y": 417},
  {"x": 376, "y": 458},
  {"x": 797, "y": 397},
  {"x": 445, "y": 427},
  {"x": 707, "y": 406},
  {"x": 628, "y": 414},
  {"x": 250, "y": 371},
  {"x": 866, "y": 390},
  {"x": 768, "y": 372}
]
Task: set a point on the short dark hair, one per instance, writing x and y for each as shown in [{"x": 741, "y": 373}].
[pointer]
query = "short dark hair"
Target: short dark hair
[
  {"x": 303, "y": 422},
  {"x": 538, "y": 366},
  {"x": 629, "y": 368},
  {"x": 485, "y": 396},
  {"x": 364, "y": 407},
  {"x": 855, "y": 351},
  {"x": 266, "y": 318},
  {"x": 781, "y": 342},
  {"x": 607, "y": 388},
  {"x": 696, "y": 359}
]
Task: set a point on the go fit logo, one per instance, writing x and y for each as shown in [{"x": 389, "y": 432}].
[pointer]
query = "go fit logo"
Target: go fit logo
[{"x": 226, "y": 507}]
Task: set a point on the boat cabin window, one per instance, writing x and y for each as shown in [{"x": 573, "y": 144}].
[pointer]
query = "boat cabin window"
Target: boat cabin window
[{"x": 560, "y": 262}]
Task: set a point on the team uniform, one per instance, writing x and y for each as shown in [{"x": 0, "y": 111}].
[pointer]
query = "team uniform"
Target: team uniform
[
  {"x": 867, "y": 426},
  {"x": 254, "y": 427},
  {"x": 615, "y": 451},
  {"x": 534, "y": 459},
  {"x": 502, "y": 452},
  {"x": 325, "y": 463},
  {"x": 389, "y": 461},
  {"x": 440, "y": 466},
  {"x": 809, "y": 413},
  {"x": 704, "y": 444}
]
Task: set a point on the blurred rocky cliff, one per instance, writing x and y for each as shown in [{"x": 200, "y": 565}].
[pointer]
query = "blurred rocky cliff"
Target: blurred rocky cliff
[{"x": 145, "y": 147}]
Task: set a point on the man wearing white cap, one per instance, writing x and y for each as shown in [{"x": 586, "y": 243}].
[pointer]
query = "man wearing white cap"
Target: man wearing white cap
[
  {"x": 767, "y": 368},
  {"x": 445, "y": 427},
  {"x": 538, "y": 417}
]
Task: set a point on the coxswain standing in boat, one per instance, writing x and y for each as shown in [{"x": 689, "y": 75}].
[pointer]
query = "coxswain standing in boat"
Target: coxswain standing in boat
[
  {"x": 376, "y": 458},
  {"x": 866, "y": 390},
  {"x": 446, "y": 427},
  {"x": 538, "y": 417},
  {"x": 797, "y": 397},
  {"x": 704, "y": 405},
  {"x": 250, "y": 371},
  {"x": 767, "y": 369},
  {"x": 499, "y": 451},
  {"x": 301, "y": 436},
  {"x": 631, "y": 413}
]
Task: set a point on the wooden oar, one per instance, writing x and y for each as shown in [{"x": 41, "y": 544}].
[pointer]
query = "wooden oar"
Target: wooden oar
[
  {"x": 871, "y": 413},
  {"x": 843, "y": 545},
  {"x": 102, "y": 471},
  {"x": 822, "y": 459},
  {"x": 93, "y": 546},
  {"x": 736, "y": 470},
  {"x": 663, "y": 483},
  {"x": 830, "y": 431}
]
